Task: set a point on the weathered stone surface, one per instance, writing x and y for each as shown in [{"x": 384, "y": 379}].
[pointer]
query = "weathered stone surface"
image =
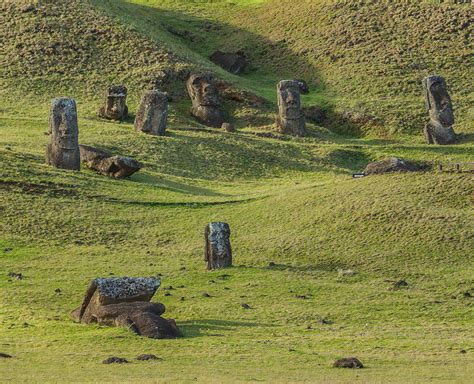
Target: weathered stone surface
[
  {"x": 63, "y": 148},
  {"x": 392, "y": 164},
  {"x": 107, "y": 164},
  {"x": 152, "y": 114},
  {"x": 304, "y": 87},
  {"x": 115, "y": 107},
  {"x": 348, "y": 362},
  {"x": 290, "y": 118},
  {"x": 204, "y": 95},
  {"x": 115, "y": 360},
  {"x": 439, "y": 129},
  {"x": 124, "y": 302},
  {"x": 232, "y": 62},
  {"x": 228, "y": 127},
  {"x": 217, "y": 249}
]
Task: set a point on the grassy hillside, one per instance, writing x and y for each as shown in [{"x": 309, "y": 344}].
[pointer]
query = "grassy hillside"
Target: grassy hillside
[{"x": 289, "y": 201}]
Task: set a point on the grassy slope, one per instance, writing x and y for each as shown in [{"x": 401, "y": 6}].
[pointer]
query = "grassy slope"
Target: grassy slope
[{"x": 292, "y": 202}]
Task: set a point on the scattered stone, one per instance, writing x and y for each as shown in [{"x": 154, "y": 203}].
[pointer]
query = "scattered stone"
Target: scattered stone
[
  {"x": 117, "y": 167},
  {"x": 115, "y": 360},
  {"x": 346, "y": 272},
  {"x": 217, "y": 249},
  {"x": 323, "y": 321},
  {"x": 148, "y": 356},
  {"x": 290, "y": 118},
  {"x": 18, "y": 276},
  {"x": 206, "y": 107},
  {"x": 125, "y": 301},
  {"x": 463, "y": 351},
  {"x": 303, "y": 297},
  {"x": 350, "y": 362},
  {"x": 467, "y": 294},
  {"x": 57, "y": 290},
  {"x": 211, "y": 281},
  {"x": 167, "y": 294},
  {"x": 228, "y": 127},
  {"x": 399, "y": 284},
  {"x": 225, "y": 276},
  {"x": 152, "y": 114},
  {"x": 7, "y": 249},
  {"x": 439, "y": 129},
  {"x": 245, "y": 306},
  {"x": 392, "y": 164},
  {"x": 232, "y": 62},
  {"x": 5, "y": 355},
  {"x": 63, "y": 148},
  {"x": 205, "y": 294},
  {"x": 116, "y": 103}
]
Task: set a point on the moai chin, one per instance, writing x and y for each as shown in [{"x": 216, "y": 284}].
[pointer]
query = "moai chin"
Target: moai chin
[
  {"x": 116, "y": 103},
  {"x": 204, "y": 95},
  {"x": 290, "y": 118},
  {"x": 153, "y": 113},
  {"x": 63, "y": 148},
  {"x": 439, "y": 129},
  {"x": 217, "y": 249}
]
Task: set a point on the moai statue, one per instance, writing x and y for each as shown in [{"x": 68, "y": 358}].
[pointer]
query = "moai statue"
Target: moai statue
[
  {"x": 125, "y": 302},
  {"x": 118, "y": 167},
  {"x": 153, "y": 113},
  {"x": 217, "y": 249},
  {"x": 439, "y": 129},
  {"x": 63, "y": 148},
  {"x": 290, "y": 118},
  {"x": 204, "y": 95},
  {"x": 116, "y": 104}
]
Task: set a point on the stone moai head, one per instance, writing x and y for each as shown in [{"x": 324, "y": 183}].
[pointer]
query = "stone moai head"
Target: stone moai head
[
  {"x": 116, "y": 103},
  {"x": 63, "y": 148},
  {"x": 290, "y": 118},
  {"x": 217, "y": 249},
  {"x": 438, "y": 102},
  {"x": 153, "y": 113},
  {"x": 204, "y": 95}
]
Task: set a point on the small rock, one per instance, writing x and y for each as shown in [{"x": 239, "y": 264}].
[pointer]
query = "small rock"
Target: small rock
[
  {"x": 15, "y": 275},
  {"x": 245, "y": 306},
  {"x": 463, "y": 351},
  {"x": 467, "y": 294},
  {"x": 115, "y": 360},
  {"x": 7, "y": 249},
  {"x": 148, "y": 356},
  {"x": 399, "y": 284},
  {"x": 182, "y": 298},
  {"x": 5, "y": 355},
  {"x": 325, "y": 322},
  {"x": 303, "y": 297},
  {"x": 205, "y": 294},
  {"x": 346, "y": 272},
  {"x": 57, "y": 290},
  {"x": 211, "y": 281},
  {"x": 167, "y": 294},
  {"x": 349, "y": 362},
  {"x": 271, "y": 264},
  {"x": 228, "y": 127},
  {"x": 168, "y": 288}
]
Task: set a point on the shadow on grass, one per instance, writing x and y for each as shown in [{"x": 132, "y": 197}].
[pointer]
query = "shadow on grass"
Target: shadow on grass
[{"x": 195, "y": 328}]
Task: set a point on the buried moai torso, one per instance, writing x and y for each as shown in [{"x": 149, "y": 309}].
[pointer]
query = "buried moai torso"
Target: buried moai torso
[
  {"x": 116, "y": 103},
  {"x": 439, "y": 129},
  {"x": 152, "y": 113},
  {"x": 63, "y": 148},
  {"x": 204, "y": 95},
  {"x": 290, "y": 118},
  {"x": 125, "y": 302},
  {"x": 217, "y": 249}
]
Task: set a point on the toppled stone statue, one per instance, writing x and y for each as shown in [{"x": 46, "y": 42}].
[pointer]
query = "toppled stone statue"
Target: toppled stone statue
[
  {"x": 232, "y": 62},
  {"x": 204, "y": 95},
  {"x": 439, "y": 129},
  {"x": 125, "y": 302},
  {"x": 392, "y": 164},
  {"x": 110, "y": 165},
  {"x": 217, "y": 249},
  {"x": 63, "y": 148},
  {"x": 116, "y": 103},
  {"x": 290, "y": 118},
  {"x": 152, "y": 113}
]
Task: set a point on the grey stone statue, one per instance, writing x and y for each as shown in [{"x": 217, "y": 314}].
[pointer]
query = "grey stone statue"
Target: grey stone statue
[
  {"x": 439, "y": 129},
  {"x": 152, "y": 113},
  {"x": 204, "y": 95},
  {"x": 116, "y": 103},
  {"x": 290, "y": 118},
  {"x": 217, "y": 249},
  {"x": 63, "y": 148},
  {"x": 125, "y": 302}
]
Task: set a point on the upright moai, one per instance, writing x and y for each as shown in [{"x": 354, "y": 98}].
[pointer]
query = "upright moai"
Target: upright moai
[
  {"x": 439, "y": 129},
  {"x": 217, "y": 249},
  {"x": 204, "y": 95},
  {"x": 116, "y": 103},
  {"x": 153, "y": 113},
  {"x": 62, "y": 150},
  {"x": 290, "y": 118}
]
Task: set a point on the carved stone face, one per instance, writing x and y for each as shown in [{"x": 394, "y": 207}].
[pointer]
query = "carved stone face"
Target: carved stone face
[
  {"x": 438, "y": 101},
  {"x": 289, "y": 103},
  {"x": 64, "y": 129},
  {"x": 116, "y": 103},
  {"x": 203, "y": 91}
]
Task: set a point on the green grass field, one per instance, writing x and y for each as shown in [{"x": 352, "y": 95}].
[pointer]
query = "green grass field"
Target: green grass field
[{"x": 289, "y": 201}]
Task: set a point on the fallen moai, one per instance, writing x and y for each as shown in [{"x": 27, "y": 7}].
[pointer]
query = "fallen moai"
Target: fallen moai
[{"x": 125, "y": 302}]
